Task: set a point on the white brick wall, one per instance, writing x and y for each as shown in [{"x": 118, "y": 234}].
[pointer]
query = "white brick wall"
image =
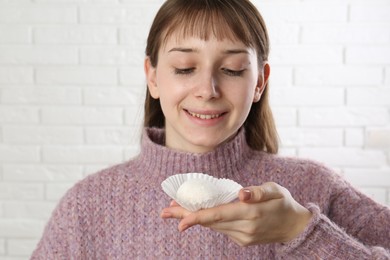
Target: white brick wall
[{"x": 72, "y": 87}]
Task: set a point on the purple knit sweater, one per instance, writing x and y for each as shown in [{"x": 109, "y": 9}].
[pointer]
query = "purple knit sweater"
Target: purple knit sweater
[{"x": 114, "y": 214}]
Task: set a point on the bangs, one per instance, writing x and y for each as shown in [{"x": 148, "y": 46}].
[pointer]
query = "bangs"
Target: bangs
[
  {"x": 235, "y": 20},
  {"x": 216, "y": 19}
]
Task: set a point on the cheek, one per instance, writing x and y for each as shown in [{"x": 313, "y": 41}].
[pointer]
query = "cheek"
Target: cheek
[
  {"x": 171, "y": 91},
  {"x": 171, "y": 84},
  {"x": 242, "y": 92}
]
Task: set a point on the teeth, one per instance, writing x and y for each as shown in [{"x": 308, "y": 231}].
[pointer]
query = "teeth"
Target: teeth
[{"x": 204, "y": 116}]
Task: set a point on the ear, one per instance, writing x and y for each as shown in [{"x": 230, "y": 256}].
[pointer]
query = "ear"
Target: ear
[
  {"x": 262, "y": 81},
  {"x": 150, "y": 73}
]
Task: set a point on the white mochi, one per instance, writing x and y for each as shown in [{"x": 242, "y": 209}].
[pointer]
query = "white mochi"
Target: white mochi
[{"x": 196, "y": 191}]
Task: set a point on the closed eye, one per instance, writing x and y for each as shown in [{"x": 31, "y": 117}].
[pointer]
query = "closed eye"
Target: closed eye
[
  {"x": 233, "y": 73},
  {"x": 184, "y": 71}
]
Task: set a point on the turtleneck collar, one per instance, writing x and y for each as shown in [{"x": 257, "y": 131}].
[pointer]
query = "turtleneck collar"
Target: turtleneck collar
[{"x": 226, "y": 161}]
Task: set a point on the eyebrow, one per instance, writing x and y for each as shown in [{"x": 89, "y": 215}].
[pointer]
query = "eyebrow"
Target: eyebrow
[
  {"x": 179, "y": 49},
  {"x": 236, "y": 51},
  {"x": 188, "y": 50}
]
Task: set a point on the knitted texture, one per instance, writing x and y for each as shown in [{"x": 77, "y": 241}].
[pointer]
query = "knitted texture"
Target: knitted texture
[{"x": 114, "y": 214}]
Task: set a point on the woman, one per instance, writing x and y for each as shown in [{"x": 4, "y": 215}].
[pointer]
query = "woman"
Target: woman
[{"x": 207, "y": 110}]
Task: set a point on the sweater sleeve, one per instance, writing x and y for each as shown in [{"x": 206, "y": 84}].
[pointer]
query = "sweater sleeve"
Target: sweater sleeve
[
  {"x": 323, "y": 239},
  {"x": 346, "y": 223}
]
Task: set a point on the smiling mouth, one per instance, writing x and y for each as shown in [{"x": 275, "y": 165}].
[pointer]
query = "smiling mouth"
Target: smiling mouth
[{"x": 205, "y": 117}]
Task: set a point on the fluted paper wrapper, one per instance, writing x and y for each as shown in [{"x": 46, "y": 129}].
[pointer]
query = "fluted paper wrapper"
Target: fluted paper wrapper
[{"x": 227, "y": 190}]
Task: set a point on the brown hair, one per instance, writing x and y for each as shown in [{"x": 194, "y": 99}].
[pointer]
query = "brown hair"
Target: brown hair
[{"x": 232, "y": 19}]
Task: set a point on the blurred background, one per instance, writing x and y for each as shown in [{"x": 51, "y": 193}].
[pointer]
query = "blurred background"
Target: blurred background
[{"x": 72, "y": 90}]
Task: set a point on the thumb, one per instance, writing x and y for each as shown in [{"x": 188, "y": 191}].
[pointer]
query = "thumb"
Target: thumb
[{"x": 264, "y": 192}]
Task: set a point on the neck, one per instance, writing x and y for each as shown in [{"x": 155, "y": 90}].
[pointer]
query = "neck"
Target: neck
[{"x": 225, "y": 161}]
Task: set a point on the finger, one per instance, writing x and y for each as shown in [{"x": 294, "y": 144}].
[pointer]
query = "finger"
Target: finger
[
  {"x": 175, "y": 212},
  {"x": 240, "y": 226},
  {"x": 265, "y": 192},
  {"x": 224, "y": 213}
]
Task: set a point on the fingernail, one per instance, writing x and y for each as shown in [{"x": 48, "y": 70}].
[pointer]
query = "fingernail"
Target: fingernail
[{"x": 247, "y": 194}]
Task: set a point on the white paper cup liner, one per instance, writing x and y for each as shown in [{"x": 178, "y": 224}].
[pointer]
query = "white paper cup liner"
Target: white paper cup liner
[{"x": 226, "y": 190}]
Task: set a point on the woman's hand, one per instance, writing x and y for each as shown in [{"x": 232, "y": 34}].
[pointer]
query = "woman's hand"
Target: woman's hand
[{"x": 263, "y": 214}]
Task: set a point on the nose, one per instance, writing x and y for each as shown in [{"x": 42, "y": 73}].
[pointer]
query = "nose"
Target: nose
[{"x": 207, "y": 87}]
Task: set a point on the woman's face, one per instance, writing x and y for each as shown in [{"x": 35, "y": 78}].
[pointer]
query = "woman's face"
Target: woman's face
[{"x": 206, "y": 89}]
